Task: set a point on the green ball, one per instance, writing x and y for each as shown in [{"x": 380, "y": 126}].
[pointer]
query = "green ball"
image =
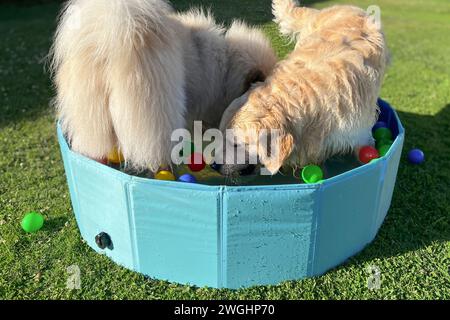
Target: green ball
[
  {"x": 383, "y": 150},
  {"x": 384, "y": 142},
  {"x": 312, "y": 174},
  {"x": 32, "y": 222},
  {"x": 382, "y": 134}
]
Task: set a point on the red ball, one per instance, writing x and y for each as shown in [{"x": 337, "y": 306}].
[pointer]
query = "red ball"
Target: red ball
[
  {"x": 367, "y": 154},
  {"x": 197, "y": 163}
]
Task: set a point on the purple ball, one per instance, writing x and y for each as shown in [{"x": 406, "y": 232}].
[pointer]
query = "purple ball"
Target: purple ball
[
  {"x": 416, "y": 156},
  {"x": 188, "y": 178},
  {"x": 379, "y": 124}
]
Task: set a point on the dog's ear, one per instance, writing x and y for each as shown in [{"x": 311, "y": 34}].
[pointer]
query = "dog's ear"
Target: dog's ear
[
  {"x": 253, "y": 77},
  {"x": 273, "y": 159}
]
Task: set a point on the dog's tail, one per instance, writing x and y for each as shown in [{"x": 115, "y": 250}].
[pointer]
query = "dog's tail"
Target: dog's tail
[
  {"x": 290, "y": 17},
  {"x": 118, "y": 68}
]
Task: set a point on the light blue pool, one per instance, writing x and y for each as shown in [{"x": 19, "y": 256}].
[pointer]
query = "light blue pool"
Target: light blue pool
[{"x": 232, "y": 236}]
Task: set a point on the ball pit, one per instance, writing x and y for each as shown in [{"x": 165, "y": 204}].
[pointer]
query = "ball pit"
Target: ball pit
[{"x": 232, "y": 236}]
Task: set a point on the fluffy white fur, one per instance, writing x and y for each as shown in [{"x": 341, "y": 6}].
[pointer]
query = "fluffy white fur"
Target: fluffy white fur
[{"x": 132, "y": 71}]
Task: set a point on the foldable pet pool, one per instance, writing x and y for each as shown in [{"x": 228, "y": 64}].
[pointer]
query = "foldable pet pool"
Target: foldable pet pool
[{"x": 231, "y": 237}]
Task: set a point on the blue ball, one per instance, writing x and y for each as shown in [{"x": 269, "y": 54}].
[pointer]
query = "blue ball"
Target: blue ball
[
  {"x": 378, "y": 125},
  {"x": 188, "y": 178},
  {"x": 416, "y": 156}
]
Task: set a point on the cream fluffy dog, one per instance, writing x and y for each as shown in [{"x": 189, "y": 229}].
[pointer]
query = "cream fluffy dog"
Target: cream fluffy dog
[
  {"x": 130, "y": 72},
  {"x": 322, "y": 97}
]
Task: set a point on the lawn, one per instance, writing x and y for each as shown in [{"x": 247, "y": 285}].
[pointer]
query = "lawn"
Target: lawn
[{"x": 412, "y": 250}]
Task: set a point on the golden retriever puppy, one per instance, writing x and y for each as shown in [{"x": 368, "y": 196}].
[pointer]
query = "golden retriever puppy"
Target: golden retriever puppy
[
  {"x": 321, "y": 99},
  {"x": 130, "y": 72}
]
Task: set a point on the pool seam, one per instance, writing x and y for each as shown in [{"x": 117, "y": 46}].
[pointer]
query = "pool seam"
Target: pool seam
[
  {"x": 132, "y": 224},
  {"x": 222, "y": 277},
  {"x": 311, "y": 271}
]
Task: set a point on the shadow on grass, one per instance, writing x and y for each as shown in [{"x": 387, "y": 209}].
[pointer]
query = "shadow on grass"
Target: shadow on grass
[
  {"x": 419, "y": 214},
  {"x": 54, "y": 224},
  {"x": 25, "y": 87}
]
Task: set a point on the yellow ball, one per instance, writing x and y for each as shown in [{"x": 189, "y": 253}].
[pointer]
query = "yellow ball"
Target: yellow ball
[
  {"x": 115, "y": 156},
  {"x": 165, "y": 175}
]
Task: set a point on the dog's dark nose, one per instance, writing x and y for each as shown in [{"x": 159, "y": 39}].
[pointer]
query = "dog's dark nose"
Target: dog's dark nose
[
  {"x": 216, "y": 166},
  {"x": 250, "y": 169}
]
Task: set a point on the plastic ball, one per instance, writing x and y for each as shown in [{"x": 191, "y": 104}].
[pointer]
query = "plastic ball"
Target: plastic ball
[
  {"x": 384, "y": 142},
  {"x": 187, "y": 178},
  {"x": 32, "y": 222},
  {"x": 312, "y": 174},
  {"x": 382, "y": 134},
  {"x": 367, "y": 154},
  {"x": 383, "y": 150},
  {"x": 165, "y": 176},
  {"x": 197, "y": 163},
  {"x": 115, "y": 156},
  {"x": 378, "y": 125},
  {"x": 416, "y": 156}
]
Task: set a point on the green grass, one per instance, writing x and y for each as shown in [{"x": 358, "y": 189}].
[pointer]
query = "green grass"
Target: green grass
[{"x": 412, "y": 249}]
